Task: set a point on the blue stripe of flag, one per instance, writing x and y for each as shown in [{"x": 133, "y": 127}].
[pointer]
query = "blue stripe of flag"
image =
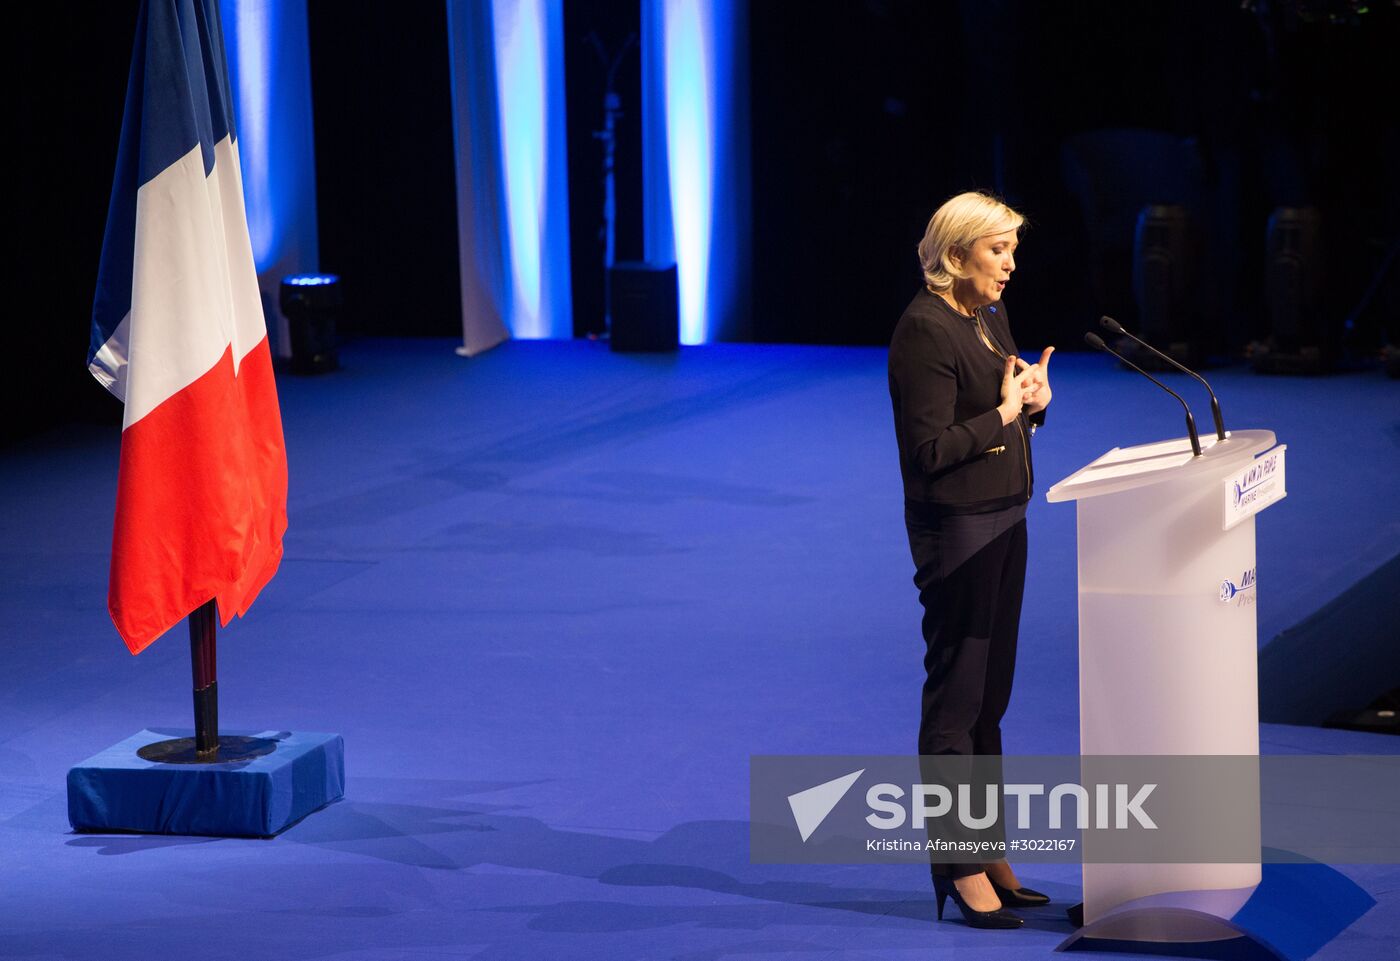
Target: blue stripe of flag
[{"x": 177, "y": 96}]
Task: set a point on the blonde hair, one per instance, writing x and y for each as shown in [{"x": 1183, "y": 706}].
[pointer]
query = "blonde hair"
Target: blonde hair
[{"x": 957, "y": 225}]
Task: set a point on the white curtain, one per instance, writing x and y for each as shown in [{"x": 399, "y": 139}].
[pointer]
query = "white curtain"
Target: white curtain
[{"x": 512, "y": 184}]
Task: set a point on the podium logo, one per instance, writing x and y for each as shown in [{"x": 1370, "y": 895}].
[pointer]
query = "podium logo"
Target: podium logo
[
  {"x": 1228, "y": 588},
  {"x": 810, "y": 807},
  {"x": 1247, "y": 486}
]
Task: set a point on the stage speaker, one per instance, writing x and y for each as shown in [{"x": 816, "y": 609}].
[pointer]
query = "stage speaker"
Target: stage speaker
[
  {"x": 1298, "y": 341},
  {"x": 1162, "y": 285},
  {"x": 645, "y": 316}
]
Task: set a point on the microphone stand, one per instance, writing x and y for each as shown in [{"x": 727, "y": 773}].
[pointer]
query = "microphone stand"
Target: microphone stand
[
  {"x": 1096, "y": 342},
  {"x": 612, "y": 109},
  {"x": 1109, "y": 323}
]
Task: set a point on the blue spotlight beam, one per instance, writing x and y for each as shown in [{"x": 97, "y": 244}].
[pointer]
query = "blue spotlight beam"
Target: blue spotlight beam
[
  {"x": 529, "y": 48},
  {"x": 695, "y": 93},
  {"x": 270, "y": 70}
]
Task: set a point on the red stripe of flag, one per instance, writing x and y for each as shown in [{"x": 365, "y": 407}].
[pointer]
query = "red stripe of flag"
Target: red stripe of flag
[{"x": 201, "y": 501}]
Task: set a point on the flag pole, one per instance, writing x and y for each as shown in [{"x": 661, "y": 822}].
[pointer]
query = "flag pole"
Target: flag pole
[{"x": 203, "y": 624}]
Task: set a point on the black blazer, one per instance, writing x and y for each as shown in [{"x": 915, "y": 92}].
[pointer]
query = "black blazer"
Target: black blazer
[{"x": 954, "y": 452}]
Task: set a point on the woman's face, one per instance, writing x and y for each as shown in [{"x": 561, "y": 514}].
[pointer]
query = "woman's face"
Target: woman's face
[{"x": 988, "y": 266}]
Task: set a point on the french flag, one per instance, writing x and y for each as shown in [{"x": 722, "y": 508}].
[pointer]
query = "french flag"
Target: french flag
[{"x": 178, "y": 336}]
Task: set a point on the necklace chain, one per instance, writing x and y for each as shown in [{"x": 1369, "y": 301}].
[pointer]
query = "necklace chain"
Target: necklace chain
[{"x": 982, "y": 332}]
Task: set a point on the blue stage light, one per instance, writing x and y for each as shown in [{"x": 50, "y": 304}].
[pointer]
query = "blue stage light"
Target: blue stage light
[
  {"x": 695, "y": 104},
  {"x": 311, "y": 303},
  {"x": 521, "y": 87},
  {"x": 528, "y": 40},
  {"x": 690, "y": 99},
  {"x": 248, "y": 42},
  {"x": 269, "y": 70},
  {"x": 252, "y": 39}
]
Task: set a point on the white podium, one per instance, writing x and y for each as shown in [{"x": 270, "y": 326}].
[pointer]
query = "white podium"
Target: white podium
[{"x": 1167, "y": 657}]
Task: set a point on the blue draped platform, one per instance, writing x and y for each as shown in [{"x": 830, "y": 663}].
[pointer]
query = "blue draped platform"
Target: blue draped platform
[{"x": 289, "y": 776}]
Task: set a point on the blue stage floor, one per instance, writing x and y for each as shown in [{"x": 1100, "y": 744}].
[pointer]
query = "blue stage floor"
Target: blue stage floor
[{"x": 554, "y": 598}]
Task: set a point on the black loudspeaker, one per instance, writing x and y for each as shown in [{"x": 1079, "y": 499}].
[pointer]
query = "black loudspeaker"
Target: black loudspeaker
[
  {"x": 1298, "y": 341},
  {"x": 645, "y": 316},
  {"x": 1162, "y": 284}
]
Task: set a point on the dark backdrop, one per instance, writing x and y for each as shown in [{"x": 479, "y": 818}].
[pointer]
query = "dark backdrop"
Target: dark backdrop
[
  {"x": 868, "y": 114},
  {"x": 71, "y": 64},
  {"x": 385, "y": 174}
]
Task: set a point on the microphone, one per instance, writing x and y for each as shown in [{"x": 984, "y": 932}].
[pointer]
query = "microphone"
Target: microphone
[
  {"x": 1109, "y": 323},
  {"x": 1096, "y": 342}
]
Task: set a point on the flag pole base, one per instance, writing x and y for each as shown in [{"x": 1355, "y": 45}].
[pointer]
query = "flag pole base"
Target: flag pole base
[
  {"x": 231, "y": 749},
  {"x": 154, "y": 782}
]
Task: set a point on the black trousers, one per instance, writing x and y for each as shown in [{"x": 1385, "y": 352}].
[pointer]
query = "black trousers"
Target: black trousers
[{"x": 970, "y": 570}]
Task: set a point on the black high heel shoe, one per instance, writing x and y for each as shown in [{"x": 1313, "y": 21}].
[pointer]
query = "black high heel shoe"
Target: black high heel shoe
[
  {"x": 944, "y": 888},
  {"x": 1019, "y": 898}
]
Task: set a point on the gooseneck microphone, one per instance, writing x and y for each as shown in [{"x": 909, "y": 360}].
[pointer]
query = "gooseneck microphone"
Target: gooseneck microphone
[
  {"x": 1108, "y": 323},
  {"x": 1096, "y": 342}
]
